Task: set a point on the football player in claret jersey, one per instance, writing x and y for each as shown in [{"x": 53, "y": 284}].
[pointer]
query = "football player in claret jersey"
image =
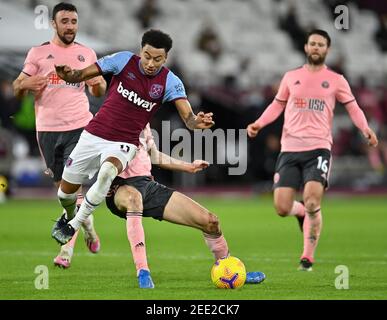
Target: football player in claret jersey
[
  {"x": 61, "y": 108},
  {"x": 140, "y": 84},
  {"x": 308, "y": 95}
]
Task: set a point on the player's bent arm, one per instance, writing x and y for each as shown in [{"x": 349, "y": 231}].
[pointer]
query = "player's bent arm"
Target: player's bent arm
[
  {"x": 24, "y": 83},
  {"x": 75, "y": 76},
  {"x": 359, "y": 120},
  {"x": 272, "y": 112},
  {"x": 200, "y": 121},
  {"x": 164, "y": 161},
  {"x": 357, "y": 115},
  {"x": 18, "y": 90},
  {"x": 98, "y": 89}
]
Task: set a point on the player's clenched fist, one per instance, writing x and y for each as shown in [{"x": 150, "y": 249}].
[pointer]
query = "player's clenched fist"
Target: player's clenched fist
[
  {"x": 370, "y": 135},
  {"x": 252, "y": 130},
  {"x": 35, "y": 83}
]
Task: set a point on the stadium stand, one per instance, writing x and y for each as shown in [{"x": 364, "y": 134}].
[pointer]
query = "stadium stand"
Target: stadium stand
[{"x": 255, "y": 47}]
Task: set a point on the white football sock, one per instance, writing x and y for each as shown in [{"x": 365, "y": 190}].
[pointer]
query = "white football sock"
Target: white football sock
[{"x": 96, "y": 193}]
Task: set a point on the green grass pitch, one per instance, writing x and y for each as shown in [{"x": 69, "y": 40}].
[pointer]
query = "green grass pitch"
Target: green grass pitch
[{"x": 354, "y": 235}]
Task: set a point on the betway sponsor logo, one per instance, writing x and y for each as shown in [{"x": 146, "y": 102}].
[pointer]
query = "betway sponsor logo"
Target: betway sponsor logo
[{"x": 135, "y": 98}]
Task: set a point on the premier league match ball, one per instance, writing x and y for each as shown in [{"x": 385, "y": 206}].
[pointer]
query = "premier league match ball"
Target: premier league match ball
[
  {"x": 3, "y": 188},
  {"x": 3, "y": 184},
  {"x": 228, "y": 273}
]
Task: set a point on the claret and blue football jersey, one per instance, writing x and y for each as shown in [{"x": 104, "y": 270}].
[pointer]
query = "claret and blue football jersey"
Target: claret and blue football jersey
[{"x": 132, "y": 98}]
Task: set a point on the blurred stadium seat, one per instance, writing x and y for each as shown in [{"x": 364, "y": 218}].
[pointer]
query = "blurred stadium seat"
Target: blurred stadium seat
[{"x": 248, "y": 31}]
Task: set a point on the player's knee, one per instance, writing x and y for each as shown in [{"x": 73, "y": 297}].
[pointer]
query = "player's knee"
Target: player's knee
[
  {"x": 212, "y": 226},
  {"x": 107, "y": 173},
  {"x": 66, "y": 196},
  {"x": 311, "y": 204},
  {"x": 282, "y": 209},
  {"x": 132, "y": 200},
  {"x": 100, "y": 188}
]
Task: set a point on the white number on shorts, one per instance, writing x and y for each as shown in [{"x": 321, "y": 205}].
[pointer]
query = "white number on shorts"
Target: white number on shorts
[{"x": 322, "y": 164}]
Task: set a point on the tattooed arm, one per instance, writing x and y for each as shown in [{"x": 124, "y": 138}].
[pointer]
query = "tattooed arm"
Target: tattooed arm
[
  {"x": 200, "y": 121},
  {"x": 74, "y": 76}
]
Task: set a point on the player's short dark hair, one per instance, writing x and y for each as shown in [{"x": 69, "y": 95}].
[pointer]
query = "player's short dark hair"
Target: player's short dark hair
[
  {"x": 157, "y": 39},
  {"x": 63, "y": 6},
  {"x": 321, "y": 33}
]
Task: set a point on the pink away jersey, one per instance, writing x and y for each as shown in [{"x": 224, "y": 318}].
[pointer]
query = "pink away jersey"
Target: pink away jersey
[
  {"x": 141, "y": 164},
  {"x": 310, "y": 99},
  {"x": 60, "y": 106}
]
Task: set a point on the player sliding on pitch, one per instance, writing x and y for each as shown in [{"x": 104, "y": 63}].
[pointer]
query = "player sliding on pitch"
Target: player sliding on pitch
[{"x": 134, "y": 194}]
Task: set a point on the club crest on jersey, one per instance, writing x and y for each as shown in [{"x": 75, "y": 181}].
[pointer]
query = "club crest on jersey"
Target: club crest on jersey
[
  {"x": 81, "y": 58},
  {"x": 131, "y": 76},
  {"x": 325, "y": 84},
  {"x": 276, "y": 177},
  {"x": 69, "y": 162},
  {"x": 49, "y": 172},
  {"x": 156, "y": 91}
]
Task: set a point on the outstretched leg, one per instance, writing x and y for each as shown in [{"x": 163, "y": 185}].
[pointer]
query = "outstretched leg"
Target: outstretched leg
[{"x": 185, "y": 211}]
